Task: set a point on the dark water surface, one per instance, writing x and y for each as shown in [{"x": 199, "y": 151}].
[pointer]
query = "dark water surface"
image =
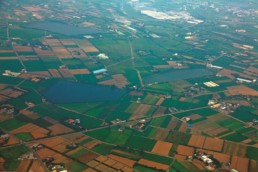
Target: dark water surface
[
  {"x": 74, "y": 92},
  {"x": 175, "y": 75}
]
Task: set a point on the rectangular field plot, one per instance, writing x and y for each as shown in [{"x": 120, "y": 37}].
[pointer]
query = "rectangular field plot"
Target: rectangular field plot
[
  {"x": 86, "y": 46},
  {"x": 162, "y": 148},
  {"x": 213, "y": 144}
]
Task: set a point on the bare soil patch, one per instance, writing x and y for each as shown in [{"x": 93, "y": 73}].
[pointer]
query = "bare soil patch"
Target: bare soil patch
[{"x": 162, "y": 148}]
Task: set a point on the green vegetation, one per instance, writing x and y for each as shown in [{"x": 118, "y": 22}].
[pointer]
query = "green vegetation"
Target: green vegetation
[
  {"x": 79, "y": 153},
  {"x": 157, "y": 158},
  {"x": 231, "y": 124},
  {"x": 139, "y": 167},
  {"x": 140, "y": 143},
  {"x": 24, "y": 136},
  {"x": 252, "y": 152},
  {"x": 11, "y": 124},
  {"x": 178, "y": 137},
  {"x": 235, "y": 137},
  {"x": 103, "y": 149},
  {"x": 11, "y": 154}
]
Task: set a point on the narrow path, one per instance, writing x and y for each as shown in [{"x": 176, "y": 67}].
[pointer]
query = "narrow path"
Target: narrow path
[{"x": 133, "y": 63}]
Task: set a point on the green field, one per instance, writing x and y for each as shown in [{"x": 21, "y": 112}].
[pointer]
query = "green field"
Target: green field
[
  {"x": 24, "y": 136},
  {"x": 11, "y": 124}
]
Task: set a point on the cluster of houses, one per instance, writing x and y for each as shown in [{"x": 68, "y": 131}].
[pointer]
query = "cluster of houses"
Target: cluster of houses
[{"x": 4, "y": 138}]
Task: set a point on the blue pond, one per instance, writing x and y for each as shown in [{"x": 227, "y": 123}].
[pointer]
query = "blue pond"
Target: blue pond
[
  {"x": 175, "y": 75},
  {"x": 74, "y": 92}
]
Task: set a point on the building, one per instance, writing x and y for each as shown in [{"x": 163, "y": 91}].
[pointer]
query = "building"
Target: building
[
  {"x": 246, "y": 80},
  {"x": 99, "y": 71}
]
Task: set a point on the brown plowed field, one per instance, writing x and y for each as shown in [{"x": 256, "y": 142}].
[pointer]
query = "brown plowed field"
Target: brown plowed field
[
  {"x": 183, "y": 127},
  {"x": 161, "y": 134},
  {"x": 241, "y": 90},
  {"x": 87, "y": 157},
  {"x": 77, "y": 53},
  {"x": 140, "y": 111},
  {"x": 20, "y": 48},
  {"x": 230, "y": 74},
  {"x": 79, "y": 71},
  {"x": 89, "y": 170},
  {"x": 36, "y": 167},
  {"x": 38, "y": 74},
  {"x": 29, "y": 114},
  {"x": 45, "y": 152},
  {"x": 221, "y": 157},
  {"x": 118, "y": 166},
  {"x": 53, "y": 42},
  {"x": 61, "y": 52},
  {"x": 51, "y": 120},
  {"x": 52, "y": 142},
  {"x": 67, "y": 42},
  {"x": 195, "y": 116},
  {"x": 66, "y": 73},
  {"x": 12, "y": 140},
  {"x": 197, "y": 141},
  {"x": 36, "y": 131},
  {"x": 76, "y": 138},
  {"x": 162, "y": 148},
  {"x": 180, "y": 157},
  {"x": 153, "y": 164},
  {"x": 118, "y": 80},
  {"x": 55, "y": 73},
  {"x": 172, "y": 123},
  {"x": 160, "y": 111},
  {"x": 199, "y": 164},
  {"x": 59, "y": 129},
  {"x": 92, "y": 144},
  {"x": 110, "y": 162},
  {"x": 253, "y": 166},
  {"x": 41, "y": 52},
  {"x": 236, "y": 149},
  {"x": 123, "y": 160},
  {"x": 216, "y": 131},
  {"x": 93, "y": 163},
  {"x": 160, "y": 101},
  {"x": 185, "y": 150},
  {"x": 86, "y": 46},
  {"x": 213, "y": 144},
  {"x": 240, "y": 164},
  {"x": 23, "y": 166}
]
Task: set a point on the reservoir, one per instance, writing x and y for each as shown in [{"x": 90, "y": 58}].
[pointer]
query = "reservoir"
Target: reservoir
[
  {"x": 62, "y": 28},
  {"x": 175, "y": 75},
  {"x": 74, "y": 92}
]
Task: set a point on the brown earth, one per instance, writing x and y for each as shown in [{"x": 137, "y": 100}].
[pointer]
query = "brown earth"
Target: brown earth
[
  {"x": 79, "y": 71},
  {"x": 123, "y": 160},
  {"x": 241, "y": 90},
  {"x": 162, "y": 148},
  {"x": 61, "y": 52},
  {"x": 55, "y": 73},
  {"x": 36, "y": 167},
  {"x": 41, "y": 52},
  {"x": 240, "y": 164},
  {"x": 213, "y": 144},
  {"x": 197, "y": 141},
  {"x": 23, "y": 166},
  {"x": 66, "y": 73},
  {"x": 185, "y": 150},
  {"x": 59, "y": 129},
  {"x": 153, "y": 164},
  {"x": 87, "y": 157}
]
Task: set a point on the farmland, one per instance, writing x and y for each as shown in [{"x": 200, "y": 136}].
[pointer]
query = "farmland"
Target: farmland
[{"x": 128, "y": 85}]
